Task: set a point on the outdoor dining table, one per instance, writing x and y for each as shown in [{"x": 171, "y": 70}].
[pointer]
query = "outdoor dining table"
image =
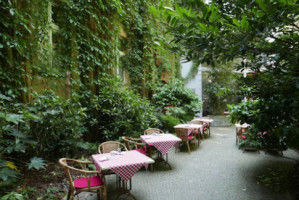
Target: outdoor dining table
[
  {"x": 192, "y": 128},
  {"x": 205, "y": 122},
  {"x": 125, "y": 164},
  {"x": 162, "y": 142}
]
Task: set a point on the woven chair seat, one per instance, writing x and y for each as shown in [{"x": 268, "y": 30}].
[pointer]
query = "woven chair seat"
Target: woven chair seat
[{"x": 83, "y": 182}]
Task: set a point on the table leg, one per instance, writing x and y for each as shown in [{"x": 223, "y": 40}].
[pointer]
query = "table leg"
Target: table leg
[
  {"x": 124, "y": 190},
  {"x": 161, "y": 159}
]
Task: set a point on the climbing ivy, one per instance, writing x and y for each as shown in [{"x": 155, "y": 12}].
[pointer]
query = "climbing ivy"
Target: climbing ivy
[
  {"x": 24, "y": 45},
  {"x": 146, "y": 57}
]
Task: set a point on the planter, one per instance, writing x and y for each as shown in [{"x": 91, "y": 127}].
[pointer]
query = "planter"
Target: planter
[{"x": 220, "y": 121}]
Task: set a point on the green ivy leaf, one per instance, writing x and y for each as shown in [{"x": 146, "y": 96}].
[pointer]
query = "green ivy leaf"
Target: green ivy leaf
[{"x": 36, "y": 163}]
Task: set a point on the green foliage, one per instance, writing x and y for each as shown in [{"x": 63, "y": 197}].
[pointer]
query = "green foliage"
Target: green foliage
[
  {"x": 275, "y": 179},
  {"x": 50, "y": 193},
  {"x": 24, "y": 45},
  {"x": 251, "y": 140},
  {"x": 41, "y": 43},
  {"x": 36, "y": 163},
  {"x": 264, "y": 35},
  {"x": 176, "y": 95},
  {"x": 177, "y": 103},
  {"x": 168, "y": 122},
  {"x": 118, "y": 111},
  {"x": 59, "y": 127},
  {"x": 30, "y": 193},
  {"x": 218, "y": 81},
  {"x": 13, "y": 196},
  {"x": 13, "y": 142},
  {"x": 146, "y": 55}
]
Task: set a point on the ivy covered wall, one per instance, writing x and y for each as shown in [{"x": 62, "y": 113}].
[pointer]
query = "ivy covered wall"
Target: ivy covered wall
[
  {"x": 70, "y": 45},
  {"x": 74, "y": 48}
]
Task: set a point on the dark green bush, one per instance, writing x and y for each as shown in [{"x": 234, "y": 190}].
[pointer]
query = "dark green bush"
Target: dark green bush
[
  {"x": 59, "y": 127},
  {"x": 15, "y": 142},
  {"x": 118, "y": 111},
  {"x": 178, "y": 103},
  {"x": 168, "y": 122}
]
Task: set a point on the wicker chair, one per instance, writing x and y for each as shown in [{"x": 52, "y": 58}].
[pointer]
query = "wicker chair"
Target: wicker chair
[
  {"x": 206, "y": 125},
  {"x": 137, "y": 145},
  {"x": 151, "y": 131},
  {"x": 134, "y": 144},
  {"x": 109, "y": 146},
  {"x": 84, "y": 181},
  {"x": 182, "y": 133}
]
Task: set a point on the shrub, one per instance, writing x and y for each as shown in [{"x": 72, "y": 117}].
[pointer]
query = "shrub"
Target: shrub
[
  {"x": 14, "y": 141},
  {"x": 168, "y": 122},
  {"x": 59, "y": 128},
  {"x": 176, "y": 102},
  {"x": 118, "y": 111}
]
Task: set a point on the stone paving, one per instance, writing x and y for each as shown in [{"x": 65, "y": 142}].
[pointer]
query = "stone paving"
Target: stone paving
[{"x": 217, "y": 170}]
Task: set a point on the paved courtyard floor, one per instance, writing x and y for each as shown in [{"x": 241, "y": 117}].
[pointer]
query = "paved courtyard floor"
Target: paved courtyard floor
[{"x": 217, "y": 170}]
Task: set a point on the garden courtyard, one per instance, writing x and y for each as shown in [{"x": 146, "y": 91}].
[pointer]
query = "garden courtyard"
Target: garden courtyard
[
  {"x": 83, "y": 81},
  {"x": 217, "y": 170}
]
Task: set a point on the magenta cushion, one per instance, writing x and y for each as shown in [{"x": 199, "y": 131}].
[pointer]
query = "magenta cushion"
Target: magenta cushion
[
  {"x": 189, "y": 138},
  {"x": 244, "y": 137},
  {"x": 83, "y": 183},
  {"x": 150, "y": 144},
  {"x": 143, "y": 151}
]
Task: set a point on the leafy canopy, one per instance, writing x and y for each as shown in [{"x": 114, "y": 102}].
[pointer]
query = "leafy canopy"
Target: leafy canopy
[{"x": 264, "y": 35}]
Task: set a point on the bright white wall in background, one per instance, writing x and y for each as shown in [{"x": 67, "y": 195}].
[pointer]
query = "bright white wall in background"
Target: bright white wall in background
[{"x": 194, "y": 84}]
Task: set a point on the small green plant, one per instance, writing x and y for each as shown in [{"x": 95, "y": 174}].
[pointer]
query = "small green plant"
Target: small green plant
[
  {"x": 51, "y": 193},
  {"x": 13, "y": 196},
  {"x": 275, "y": 179},
  {"x": 30, "y": 193}
]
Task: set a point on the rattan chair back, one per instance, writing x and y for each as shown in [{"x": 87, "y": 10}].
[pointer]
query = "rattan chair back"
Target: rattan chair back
[
  {"x": 132, "y": 143},
  {"x": 151, "y": 131},
  {"x": 109, "y": 146}
]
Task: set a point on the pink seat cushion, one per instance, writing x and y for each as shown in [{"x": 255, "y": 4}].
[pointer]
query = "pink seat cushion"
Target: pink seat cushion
[
  {"x": 143, "y": 151},
  {"x": 150, "y": 144},
  {"x": 83, "y": 183},
  {"x": 189, "y": 138}
]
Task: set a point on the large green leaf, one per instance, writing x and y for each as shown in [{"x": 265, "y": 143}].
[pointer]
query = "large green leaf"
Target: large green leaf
[{"x": 36, "y": 163}]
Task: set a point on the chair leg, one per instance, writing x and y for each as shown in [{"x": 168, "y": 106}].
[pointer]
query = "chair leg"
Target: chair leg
[
  {"x": 152, "y": 167},
  {"x": 195, "y": 143},
  {"x": 72, "y": 196},
  {"x": 69, "y": 193},
  {"x": 188, "y": 146},
  {"x": 104, "y": 192},
  {"x": 99, "y": 194}
]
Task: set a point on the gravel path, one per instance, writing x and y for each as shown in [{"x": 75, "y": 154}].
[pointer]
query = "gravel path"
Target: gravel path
[{"x": 217, "y": 170}]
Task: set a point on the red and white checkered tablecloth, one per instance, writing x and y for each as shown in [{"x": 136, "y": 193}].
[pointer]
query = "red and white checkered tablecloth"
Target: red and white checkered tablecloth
[
  {"x": 163, "y": 142},
  {"x": 203, "y": 120},
  {"x": 191, "y": 127},
  {"x": 125, "y": 165}
]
